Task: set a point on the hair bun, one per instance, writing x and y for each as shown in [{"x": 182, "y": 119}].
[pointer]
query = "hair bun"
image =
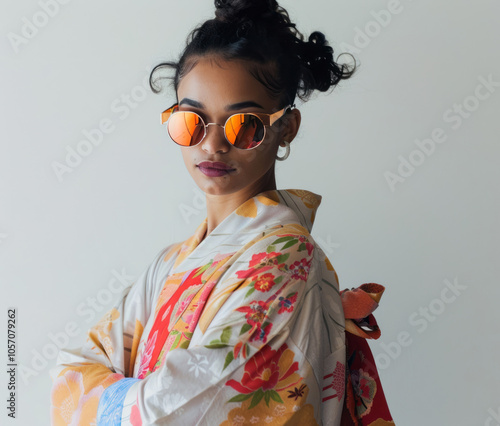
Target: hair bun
[{"x": 244, "y": 10}]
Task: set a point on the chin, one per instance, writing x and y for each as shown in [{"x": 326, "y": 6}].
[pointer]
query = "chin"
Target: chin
[{"x": 219, "y": 188}]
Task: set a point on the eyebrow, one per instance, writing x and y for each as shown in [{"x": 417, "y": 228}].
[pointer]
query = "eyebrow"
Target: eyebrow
[{"x": 233, "y": 107}]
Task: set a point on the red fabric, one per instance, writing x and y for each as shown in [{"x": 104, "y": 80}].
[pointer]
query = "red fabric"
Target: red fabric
[
  {"x": 165, "y": 314},
  {"x": 364, "y": 402}
]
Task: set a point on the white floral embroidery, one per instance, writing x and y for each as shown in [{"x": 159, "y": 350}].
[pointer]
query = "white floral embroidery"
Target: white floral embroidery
[
  {"x": 238, "y": 420},
  {"x": 269, "y": 419},
  {"x": 196, "y": 365},
  {"x": 166, "y": 381},
  {"x": 254, "y": 419},
  {"x": 170, "y": 401},
  {"x": 279, "y": 410},
  {"x": 296, "y": 408},
  {"x": 179, "y": 411}
]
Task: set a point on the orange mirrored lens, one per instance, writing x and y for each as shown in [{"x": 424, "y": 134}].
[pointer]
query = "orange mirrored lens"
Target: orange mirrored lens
[
  {"x": 185, "y": 128},
  {"x": 244, "y": 130}
]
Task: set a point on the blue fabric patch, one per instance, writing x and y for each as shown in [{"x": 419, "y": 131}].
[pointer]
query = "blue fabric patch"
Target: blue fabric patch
[{"x": 109, "y": 410}]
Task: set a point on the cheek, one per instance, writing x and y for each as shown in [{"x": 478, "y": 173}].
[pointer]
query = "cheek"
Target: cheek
[
  {"x": 186, "y": 156},
  {"x": 257, "y": 160}
]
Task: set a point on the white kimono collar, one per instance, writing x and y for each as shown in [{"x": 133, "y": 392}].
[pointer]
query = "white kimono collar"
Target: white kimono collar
[{"x": 265, "y": 210}]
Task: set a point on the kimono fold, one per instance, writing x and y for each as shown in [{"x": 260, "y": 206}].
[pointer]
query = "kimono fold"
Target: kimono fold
[{"x": 244, "y": 326}]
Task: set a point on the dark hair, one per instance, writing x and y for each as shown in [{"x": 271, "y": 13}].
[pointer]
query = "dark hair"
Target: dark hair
[{"x": 261, "y": 32}]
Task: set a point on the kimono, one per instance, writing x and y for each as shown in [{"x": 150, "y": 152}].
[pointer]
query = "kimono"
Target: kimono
[{"x": 243, "y": 327}]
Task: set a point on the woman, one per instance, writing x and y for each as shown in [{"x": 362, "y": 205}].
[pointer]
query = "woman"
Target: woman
[{"x": 242, "y": 323}]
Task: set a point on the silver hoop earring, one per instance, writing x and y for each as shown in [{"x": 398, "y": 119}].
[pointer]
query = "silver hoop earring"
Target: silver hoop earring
[{"x": 287, "y": 152}]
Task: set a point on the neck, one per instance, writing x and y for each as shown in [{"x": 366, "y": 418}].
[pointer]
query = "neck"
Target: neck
[{"x": 221, "y": 206}]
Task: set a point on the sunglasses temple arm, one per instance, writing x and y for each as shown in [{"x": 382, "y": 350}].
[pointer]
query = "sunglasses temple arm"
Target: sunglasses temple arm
[
  {"x": 165, "y": 115},
  {"x": 277, "y": 115}
]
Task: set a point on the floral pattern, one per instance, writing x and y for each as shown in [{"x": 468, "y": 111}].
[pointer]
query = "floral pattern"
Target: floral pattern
[
  {"x": 266, "y": 374},
  {"x": 364, "y": 387},
  {"x": 72, "y": 402},
  {"x": 235, "y": 310}
]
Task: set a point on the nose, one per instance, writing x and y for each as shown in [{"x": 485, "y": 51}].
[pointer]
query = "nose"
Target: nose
[{"x": 215, "y": 141}]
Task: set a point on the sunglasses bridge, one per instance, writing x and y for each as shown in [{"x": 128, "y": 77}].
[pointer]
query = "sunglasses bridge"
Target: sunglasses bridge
[{"x": 224, "y": 131}]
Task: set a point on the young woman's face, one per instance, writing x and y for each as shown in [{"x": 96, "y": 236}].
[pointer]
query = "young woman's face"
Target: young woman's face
[{"x": 213, "y": 90}]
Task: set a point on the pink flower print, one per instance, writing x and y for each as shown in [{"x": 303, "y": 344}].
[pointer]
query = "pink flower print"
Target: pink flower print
[
  {"x": 183, "y": 305},
  {"x": 146, "y": 356},
  {"x": 135, "y": 416}
]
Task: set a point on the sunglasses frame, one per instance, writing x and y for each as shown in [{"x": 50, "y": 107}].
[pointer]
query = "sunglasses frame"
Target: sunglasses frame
[{"x": 267, "y": 120}]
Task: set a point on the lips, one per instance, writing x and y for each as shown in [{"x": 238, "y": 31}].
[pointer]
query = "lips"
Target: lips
[
  {"x": 215, "y": 169},
  {"x": 216, "y": 165}
]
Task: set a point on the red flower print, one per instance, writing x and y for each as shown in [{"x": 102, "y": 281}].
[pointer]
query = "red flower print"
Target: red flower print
[
  {"x": 256, "y": 314},
  {"x": 300, "y": 268},
  {"x": 267, "y": 370},
  {"x": 262, "y": 332},
  {"x": 309, "y": 246},
  {"x": 286, "y": 303},
  {"x": 240, "y": 346},
  {"x": 262, "y": 259},
  {"x": 265, "y": 282},
  {"x": 259, "y": 263}
]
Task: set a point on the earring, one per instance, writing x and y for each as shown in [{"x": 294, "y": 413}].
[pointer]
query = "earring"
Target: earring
[{"x": 287, "y": 152}]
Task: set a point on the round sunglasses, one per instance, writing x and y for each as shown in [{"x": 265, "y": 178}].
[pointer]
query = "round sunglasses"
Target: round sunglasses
[{"x": 243, "y": 130}]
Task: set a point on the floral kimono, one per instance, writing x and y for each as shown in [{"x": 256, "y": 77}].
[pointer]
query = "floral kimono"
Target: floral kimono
[{"x": 243, "y": 327}]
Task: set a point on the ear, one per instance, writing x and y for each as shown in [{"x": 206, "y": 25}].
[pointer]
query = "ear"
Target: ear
[{"x": 291, "y": 124}]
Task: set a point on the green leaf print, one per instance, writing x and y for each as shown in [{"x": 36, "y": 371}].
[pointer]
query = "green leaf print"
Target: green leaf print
[
  {"x": 282, "y": 257},
  {"x": 245, "y": 328},
  {"x": 216, "y": 345},
  {"x": 241, "y": 397},
  {"x": 289, "y": 244},
  {"x": 282, "y": 240},
  {"x": 204, "y": 268},
  {"x": 271, "y": 248},
  {"x": 267, "y": 397},
  {"x": 226, "y": 334},
  {"x": 229, "y": 360},
  {"x": 252, "y": 289},
  {"x": 257, "y": 397},
  {"x": 275, "y": 396}
]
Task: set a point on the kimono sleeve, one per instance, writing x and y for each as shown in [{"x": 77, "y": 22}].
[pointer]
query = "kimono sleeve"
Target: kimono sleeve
[
  {"x": 244, "y": 358},
  {"x": 82, "y": 374}
]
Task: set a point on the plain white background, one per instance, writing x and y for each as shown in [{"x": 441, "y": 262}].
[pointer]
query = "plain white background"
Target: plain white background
[{"x": 62, "y": 241}]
